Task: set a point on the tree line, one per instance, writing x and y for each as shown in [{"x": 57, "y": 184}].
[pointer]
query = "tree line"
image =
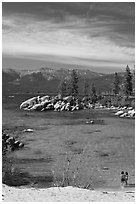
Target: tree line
[
  {"x": 127, "y": 88},
  {"x": 70, "y": 87}
]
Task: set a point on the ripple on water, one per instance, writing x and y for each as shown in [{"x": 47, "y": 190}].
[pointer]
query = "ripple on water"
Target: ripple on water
[{"x": 34, "y": 160}]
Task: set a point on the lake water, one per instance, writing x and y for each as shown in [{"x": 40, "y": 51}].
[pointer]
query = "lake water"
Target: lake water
[{"x": 98, "y": 151}]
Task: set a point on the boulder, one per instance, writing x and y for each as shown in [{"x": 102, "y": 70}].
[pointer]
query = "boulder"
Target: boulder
[
  {"x": 28, "y": 130},
  {"x": 49, "y": 107},
  {"x": 21, "y": 145},
  {"x": 68, "y": 98},
  {"x": 11, "y": 141},
  {"x": 37, "y": 107},
  {"x": 30, "y": 102},
  {"x": 123, "y": 115},
  {"x": 131, "y": 113},
  {"x": 119, "y": 113},
  {"x": 45, "y": 98}
]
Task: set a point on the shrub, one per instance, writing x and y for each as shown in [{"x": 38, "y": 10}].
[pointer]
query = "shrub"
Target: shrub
[
  {"x": 71, "y": 173},
  {"x": 125, "y": 101}
]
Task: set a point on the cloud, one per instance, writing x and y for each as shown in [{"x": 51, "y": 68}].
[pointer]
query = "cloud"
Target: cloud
[
  {"x": 100, "y": 32},
  {"x": 59, "y": 10}
]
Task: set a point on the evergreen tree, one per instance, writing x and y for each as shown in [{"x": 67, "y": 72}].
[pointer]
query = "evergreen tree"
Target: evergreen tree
[
  {"x": 73, "y": 84},
  {"x": 86, "y": 87},
  {"x": 133, "y": 80},
  {"x": 128, "y": 82},
  {"x": 93, "y": 94},
  {"x": 116, "y": 84},
  {"x": 62, "y": 88}
]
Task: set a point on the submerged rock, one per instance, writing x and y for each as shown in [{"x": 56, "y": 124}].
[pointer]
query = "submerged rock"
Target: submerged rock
[
  {"x": 10, "y": 142},
  {"x": 28, "y": 130}
]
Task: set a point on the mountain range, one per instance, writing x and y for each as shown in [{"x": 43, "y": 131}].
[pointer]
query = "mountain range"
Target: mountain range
[{"x": 46, "y": 80}]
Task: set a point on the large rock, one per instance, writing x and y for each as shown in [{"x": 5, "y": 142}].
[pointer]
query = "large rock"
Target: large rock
[
  {"x": 119, "y": 113},
  {"x": 131, "y": 113},
  {"x": 30, "y": 102},
  {"x": 68, "y": 98},
  {"x": 45, "y": 98},
  {"x": 37, "y": 107}
]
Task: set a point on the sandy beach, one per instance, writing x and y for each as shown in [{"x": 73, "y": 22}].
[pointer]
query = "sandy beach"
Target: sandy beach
[{"x": 67, "y": 194}]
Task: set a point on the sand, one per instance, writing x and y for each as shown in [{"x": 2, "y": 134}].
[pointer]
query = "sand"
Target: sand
[{"x": 66, "y": 194}]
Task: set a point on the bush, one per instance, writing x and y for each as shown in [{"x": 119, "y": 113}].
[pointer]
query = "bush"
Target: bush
[
  {"x": 71, "y": 174},
  {"x": 115, "y": 101},
  {"x": 106, "y": 101},
  {"x": 125, "y": 101}
]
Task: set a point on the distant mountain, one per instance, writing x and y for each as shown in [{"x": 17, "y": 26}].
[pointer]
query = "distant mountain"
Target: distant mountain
[{"x": 46, "y": 80}]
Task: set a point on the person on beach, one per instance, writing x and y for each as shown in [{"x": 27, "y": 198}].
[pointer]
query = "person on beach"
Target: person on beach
[{"x": 124, "y": 178}]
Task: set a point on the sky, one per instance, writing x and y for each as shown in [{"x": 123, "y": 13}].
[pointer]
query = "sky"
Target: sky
[{"x": 94, "y": 35}]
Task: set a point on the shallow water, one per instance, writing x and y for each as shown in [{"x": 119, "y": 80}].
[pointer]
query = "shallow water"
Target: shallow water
[{"x": 99, "y": 151}]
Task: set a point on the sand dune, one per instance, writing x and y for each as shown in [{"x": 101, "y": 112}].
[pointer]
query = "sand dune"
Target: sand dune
[{"x": 67, "y": 194}]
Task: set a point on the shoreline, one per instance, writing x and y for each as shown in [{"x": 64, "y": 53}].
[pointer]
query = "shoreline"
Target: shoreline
[{"x": 66, "y": 194}]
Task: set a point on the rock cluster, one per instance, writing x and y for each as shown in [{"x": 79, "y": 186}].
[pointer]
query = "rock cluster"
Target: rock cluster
[
  {"x": 56, "y": 103},
  {"x": 126, "y": 112},
  {"x": 10, "y": 142}
]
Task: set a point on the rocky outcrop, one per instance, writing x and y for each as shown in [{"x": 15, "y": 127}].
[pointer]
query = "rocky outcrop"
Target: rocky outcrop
[{"x": 56, "y": 103}]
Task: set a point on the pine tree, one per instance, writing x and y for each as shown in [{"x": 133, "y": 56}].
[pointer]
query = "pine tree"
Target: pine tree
[
  {"x": 93, "y": 94},
  {"x": 116, "y": 84},
  {"x": 86, "y": 87},
  {"x": 133, "y": 80},
  {"x": 128, "y": 82},
  {"x": 73, "y": 84}
]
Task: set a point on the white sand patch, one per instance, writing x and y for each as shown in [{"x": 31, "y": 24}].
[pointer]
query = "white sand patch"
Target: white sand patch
[{"x": 67, "y": 194}]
